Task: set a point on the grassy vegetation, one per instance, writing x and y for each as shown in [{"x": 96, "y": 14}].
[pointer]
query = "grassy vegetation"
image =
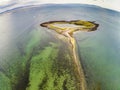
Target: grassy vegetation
[
  {"x": 47, "y": 72},
  {"x": 81, "y": 26},
  {"x": 40, "y": 66},
  {"x": 66, "y": 28},
  {"x": 13, "y": 66},
  {"x": 39, "y": 62},
  {"x": 87, "y": 24}
]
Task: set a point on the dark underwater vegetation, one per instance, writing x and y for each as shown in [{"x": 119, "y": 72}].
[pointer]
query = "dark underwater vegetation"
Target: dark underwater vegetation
[{"x": 36, "y": 58}]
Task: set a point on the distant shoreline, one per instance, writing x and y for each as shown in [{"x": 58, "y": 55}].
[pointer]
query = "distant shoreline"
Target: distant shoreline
[{"x": 17, "y": 6}]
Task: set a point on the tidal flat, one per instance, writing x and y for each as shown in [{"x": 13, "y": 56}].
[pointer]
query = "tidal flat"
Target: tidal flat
[
  {"x": 41, "y": 64},
  {"x": 28, "y": 50},
  {"x": 67, "y": 29}
]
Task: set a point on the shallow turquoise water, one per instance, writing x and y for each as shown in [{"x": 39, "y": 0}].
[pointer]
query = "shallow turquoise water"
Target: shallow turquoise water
[{"x": 98, "y": 50}]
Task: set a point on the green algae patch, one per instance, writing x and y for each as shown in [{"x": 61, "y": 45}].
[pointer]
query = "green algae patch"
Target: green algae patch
[
  {"x": 67, "y": 28},
  {"x": 14, "y": 72},
  {"x": 40, "y": 60},
  {"x": 40, "y": 66},
  {"x": 5, "y": 82},
  {"x": 48, "y": 73}
]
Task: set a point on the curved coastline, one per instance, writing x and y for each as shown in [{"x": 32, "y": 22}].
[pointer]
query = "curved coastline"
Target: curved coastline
[
  {"x": 89, "y": 46},
  {"x": 68, "y": 32},
  {"x": 18, "y": 6}
]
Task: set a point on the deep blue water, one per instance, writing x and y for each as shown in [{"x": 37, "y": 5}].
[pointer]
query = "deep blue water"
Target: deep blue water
[{"x": 98, "y": 50}]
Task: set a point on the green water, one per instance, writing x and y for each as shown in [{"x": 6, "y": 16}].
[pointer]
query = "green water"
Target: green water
[
  {"x": 100, "y": 56},
  {"x": 40, "y": 61},
  {"x": 23, "y": 42}
]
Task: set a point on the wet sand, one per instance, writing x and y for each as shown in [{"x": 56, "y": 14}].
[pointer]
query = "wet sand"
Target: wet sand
[{"x": 67, "y": 29}]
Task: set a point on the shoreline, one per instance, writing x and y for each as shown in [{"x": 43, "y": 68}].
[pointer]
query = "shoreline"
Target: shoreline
[{"x": 68, "y": 33}]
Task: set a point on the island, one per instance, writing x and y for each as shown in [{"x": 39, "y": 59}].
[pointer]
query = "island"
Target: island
[{"x": 67, "y": 29}]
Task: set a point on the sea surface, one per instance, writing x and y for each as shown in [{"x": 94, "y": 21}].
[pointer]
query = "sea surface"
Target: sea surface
[{"x": 99, "y": 51}]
